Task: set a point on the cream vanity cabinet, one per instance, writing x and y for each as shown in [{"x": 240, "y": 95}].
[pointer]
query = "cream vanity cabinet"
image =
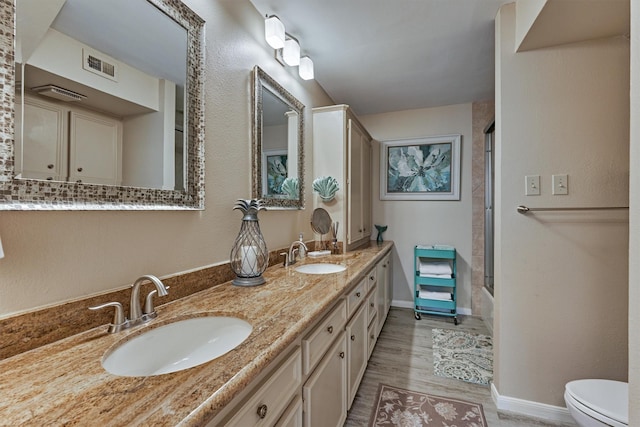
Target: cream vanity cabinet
[
  {"x": 316, "y": 382},
  {"x": 342, "y": 149},
  {"x": 65, "y": 143}
]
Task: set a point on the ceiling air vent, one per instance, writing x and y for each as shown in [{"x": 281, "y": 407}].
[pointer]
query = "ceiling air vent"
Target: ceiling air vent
[
  {"x": 99, "y": 64},
  {"x": 58, "y": 92}
]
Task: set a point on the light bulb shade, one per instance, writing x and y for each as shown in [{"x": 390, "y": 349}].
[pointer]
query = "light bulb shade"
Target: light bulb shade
[
  {"x": 274, "y": 32},
  {"x": 306, "y": 68},
  {"x": 291, "y": 52}
]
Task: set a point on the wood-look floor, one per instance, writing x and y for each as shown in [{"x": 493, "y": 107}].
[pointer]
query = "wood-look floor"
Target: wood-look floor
[{"x": 403, "y": 357}]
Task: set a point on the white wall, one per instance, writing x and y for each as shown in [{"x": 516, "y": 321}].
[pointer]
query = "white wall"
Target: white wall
[
  {"x": 424, "y": 222},
  {"x": 57, "y": 256},
  {"x": 560, "y": 278},
  {"x": 634, "y": 222}
]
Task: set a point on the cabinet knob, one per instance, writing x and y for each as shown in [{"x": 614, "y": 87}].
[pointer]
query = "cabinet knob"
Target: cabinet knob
[
  {"x": 262, "y": 410},
  {"x": 372, "y": 305},
  {"x": 371, "y": 277},
  {"x": 358, "y": 294},
  {"x": 50, "y": 166},
  {"x": 341, "y": 355},
  {"x": 79, "y": 169},
  {"x": 79, "y": 181},
  {"x": 49, "y": 178},
  {"x": 372, "y": 336},
  {"x": 330, "y": 329},
  {"x": 353, "y": 337},
  {"x": 359, "y": 230}
]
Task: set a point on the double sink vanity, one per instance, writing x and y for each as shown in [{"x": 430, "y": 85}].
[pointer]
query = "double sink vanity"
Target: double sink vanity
[{"x": 311, "y": 334}]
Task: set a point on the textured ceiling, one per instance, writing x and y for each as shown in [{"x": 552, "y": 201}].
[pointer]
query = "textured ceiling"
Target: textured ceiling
[{"x": 391, "y": 55}]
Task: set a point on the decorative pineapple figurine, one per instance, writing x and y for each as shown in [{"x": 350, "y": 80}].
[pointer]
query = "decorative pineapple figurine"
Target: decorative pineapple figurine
[{"x": 249, "y": 255}]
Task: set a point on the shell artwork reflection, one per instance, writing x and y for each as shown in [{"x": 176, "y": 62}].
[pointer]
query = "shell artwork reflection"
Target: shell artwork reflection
[
  {"x": 291, "y": 188},
  {"x": 326, "y": 187}
]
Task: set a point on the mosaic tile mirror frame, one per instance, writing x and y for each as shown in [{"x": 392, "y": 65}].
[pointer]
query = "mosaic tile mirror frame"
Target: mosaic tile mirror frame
[{"x": 34, "y": 194}]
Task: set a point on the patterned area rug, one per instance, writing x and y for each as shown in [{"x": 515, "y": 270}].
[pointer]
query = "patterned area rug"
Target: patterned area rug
[
  {"x": 404, "y": 408},
  {"x": 463, "y": 356}
]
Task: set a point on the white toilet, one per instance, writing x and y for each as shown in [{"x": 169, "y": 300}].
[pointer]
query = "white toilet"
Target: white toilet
[{"x": 595, "y": 403}]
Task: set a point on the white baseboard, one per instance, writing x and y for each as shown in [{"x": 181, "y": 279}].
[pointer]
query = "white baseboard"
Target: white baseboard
[
  {"x": 556, "y": 414},
  {"x": 409, "y": 304}
]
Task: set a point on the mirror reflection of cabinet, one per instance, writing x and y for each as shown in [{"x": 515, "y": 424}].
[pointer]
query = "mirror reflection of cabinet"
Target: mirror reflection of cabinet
[
  {"x": 166, "y": 31},
  {"x": 64, "y": 143},
  {"x": 342, "y": 149}
]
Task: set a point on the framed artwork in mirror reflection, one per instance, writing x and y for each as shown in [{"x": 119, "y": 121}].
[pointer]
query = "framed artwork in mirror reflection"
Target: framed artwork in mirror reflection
[
  {"x": 274, "y": 170},
  {"x": 426, "y": 168}
]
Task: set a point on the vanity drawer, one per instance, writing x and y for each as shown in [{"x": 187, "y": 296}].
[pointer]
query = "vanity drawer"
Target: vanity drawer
[
  {"x": 268, "y": 403},
  {"x": 355, "y": 297},
  {"x": 320, "y": 339},
  {"x": 371, "y": 306},
  {"x": 371, "y": 279}
]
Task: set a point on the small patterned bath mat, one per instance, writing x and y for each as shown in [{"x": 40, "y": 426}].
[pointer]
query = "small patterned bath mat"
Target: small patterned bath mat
[
  {"x": 463, "y": 356},
  {"x": 404, "y": 408}
]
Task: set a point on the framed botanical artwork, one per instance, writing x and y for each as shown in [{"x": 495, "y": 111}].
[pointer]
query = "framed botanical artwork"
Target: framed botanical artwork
[
  {"x": 426, "y": 168},
  {"x": 274, "y": 171}
]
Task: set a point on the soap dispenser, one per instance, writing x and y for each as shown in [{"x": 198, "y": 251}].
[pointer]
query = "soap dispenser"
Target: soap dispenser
[{"x": 302, "y": 252}]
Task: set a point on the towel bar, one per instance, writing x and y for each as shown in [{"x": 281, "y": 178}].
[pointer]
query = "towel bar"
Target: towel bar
[{"x": 523, "y": 209}]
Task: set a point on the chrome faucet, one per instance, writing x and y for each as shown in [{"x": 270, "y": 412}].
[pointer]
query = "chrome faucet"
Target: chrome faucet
[
  {"x": 290, "y": 258},
  {"x": 136, "y": 315}
]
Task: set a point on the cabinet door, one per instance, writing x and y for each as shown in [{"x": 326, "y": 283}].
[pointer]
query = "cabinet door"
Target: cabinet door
[
  {"x": 366, "y": 187},
  {"x": 95, "y": 149},
  {"x": 324, "y": 394},
  {"x": 354, "y": 210},
  {"x": 41, "y": 147},
  {"x": 357, "y": 351},
  {"x": 384, "y": 290}
]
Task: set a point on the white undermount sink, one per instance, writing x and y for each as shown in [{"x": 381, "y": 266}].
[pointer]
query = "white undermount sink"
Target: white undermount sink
[
  {"x": 321, "y": 268},
  {"x": 176, "y": 346}
]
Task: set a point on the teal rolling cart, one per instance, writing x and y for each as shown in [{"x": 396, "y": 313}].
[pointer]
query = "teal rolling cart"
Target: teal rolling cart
[{"x": 435, "y": 281}]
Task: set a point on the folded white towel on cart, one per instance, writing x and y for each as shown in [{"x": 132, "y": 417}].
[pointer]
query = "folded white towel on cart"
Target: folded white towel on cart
[
  {"x": 441, "y": 296},
  {"x": 435, "y": 267}
]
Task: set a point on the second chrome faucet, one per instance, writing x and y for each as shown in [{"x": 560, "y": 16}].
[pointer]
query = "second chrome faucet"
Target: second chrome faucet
[
  {"x": 136, "y": 314},
  {"x": 290, "y": 257}
]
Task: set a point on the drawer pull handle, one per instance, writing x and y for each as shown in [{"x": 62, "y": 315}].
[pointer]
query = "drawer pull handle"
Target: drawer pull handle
[
  {"x": 50, "y": 166},
  {"x": 341, "y": 355},
  {"x": 358, "y": 294},
  {"x": 262, "y": 410},
  {"x": 371, "y": 277},
  {"x": 330, "y": 329},
  {"x": 353, "y": 337},
  {"x": 372, "y": 305}
]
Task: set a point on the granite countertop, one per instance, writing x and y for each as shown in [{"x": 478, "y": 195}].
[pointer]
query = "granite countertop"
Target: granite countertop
[{"x": 63, "y": 383}]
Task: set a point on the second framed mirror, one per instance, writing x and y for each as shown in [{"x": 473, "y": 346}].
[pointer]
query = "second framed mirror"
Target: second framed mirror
[{"x": 277, "y": 144}]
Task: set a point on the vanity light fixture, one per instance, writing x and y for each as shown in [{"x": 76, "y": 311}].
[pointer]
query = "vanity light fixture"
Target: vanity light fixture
[
  {"x": 274, "y": 32},
  {"x": 287, "y": 47},
  {"x": 291, "y": 51},
  {"x": 306, "y": 68}
]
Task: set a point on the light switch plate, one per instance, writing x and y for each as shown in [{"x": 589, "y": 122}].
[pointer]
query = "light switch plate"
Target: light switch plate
[
  {"x": 532, "y": 183},
  {"x": 560, "y": 184}
]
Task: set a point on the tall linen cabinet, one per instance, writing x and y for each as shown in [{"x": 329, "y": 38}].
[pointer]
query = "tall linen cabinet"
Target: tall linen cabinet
[{"x": 342, "y": 149}]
